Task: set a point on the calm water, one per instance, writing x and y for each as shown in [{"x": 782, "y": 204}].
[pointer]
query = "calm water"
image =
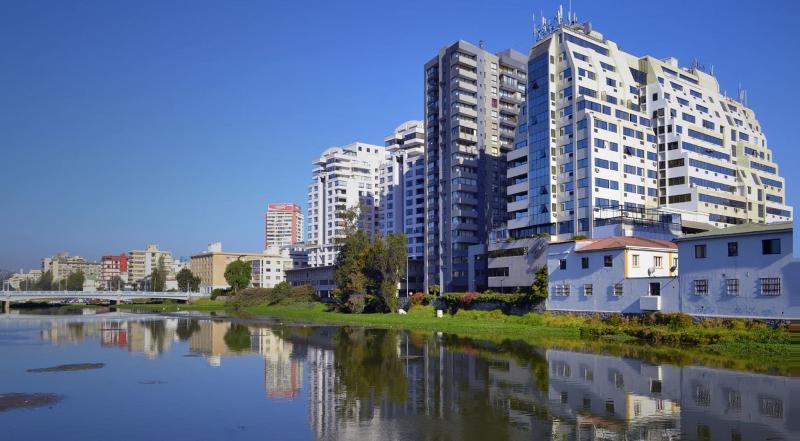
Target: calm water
[{"x": 181, "y": 378}]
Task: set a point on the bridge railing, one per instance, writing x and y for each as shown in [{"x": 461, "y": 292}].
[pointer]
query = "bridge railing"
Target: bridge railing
[{"x": 94, "y": 294}]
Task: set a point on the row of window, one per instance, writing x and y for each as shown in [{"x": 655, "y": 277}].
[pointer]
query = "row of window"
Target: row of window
[
  {"x": 768, "y": 246},
  {"x": 767, "y": 286}
]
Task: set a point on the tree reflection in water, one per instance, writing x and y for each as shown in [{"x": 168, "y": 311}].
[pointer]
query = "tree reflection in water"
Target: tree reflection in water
[
  {"x": 237, "y": 338},
  {"x": 368, "y": 365}
]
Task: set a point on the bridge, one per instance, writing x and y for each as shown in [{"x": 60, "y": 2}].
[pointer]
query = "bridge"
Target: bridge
[{"x": 9, "y": 297}]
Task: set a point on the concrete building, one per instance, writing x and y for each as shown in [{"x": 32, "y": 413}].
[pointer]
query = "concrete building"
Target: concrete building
[
  {"x": 270, "y": 269},
  {"x": 62, "y": 265},
  {"x": 23, "y": 280},
  {"x": 319, "y": 277},
  {"x": 141, "y": 263},
  {"x": 210, "y": 266},
  {"x": 113, "y": 266},
  {"x": 743, "y": 271},
  {"x": 344, "y": 178},
  {"x": 613, "y": 274},
  {"x": 608, "y": 128},
  {"x": 472, "y": 102},
  {"x": 283, "y": 225},
  {"x": 402, "y": 203}
]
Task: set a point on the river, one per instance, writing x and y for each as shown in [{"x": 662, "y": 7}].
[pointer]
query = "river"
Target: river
[{"x": 126, "y": 376}]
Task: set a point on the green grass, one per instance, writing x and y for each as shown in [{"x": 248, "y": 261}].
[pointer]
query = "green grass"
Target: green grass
[{"x": 199, "y": 305}]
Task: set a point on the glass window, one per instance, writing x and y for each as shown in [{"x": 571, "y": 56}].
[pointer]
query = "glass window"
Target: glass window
[
  {"x": 733, "y": 249},
  {"x": 770, "y": 286},
  {"x": 635, "y": 260},
  {"x": 771, "y": 246},
  {"x": 608, "y": 261},
  {"x": 562, "y": 264},
  {"x": 732, "y": 287},
  {"x": 588, "y": 290},
  {"x": 584, "y": 262},
  {"x": 700, "y": 251},
  {"x": 701, "y": 287}
]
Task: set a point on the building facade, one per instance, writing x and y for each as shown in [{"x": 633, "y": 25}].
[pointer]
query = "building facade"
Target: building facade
[
  {"x": 607, "y": 128},
  {"x": 24, "y": 281},
  {"x": 141, "y": 263},
  {"x": 270, "y": 269},
  {"x": 743, "y": 271},
  {"x": 283, "y": 225},
  {"x": 402, "y": 204},
  {"x": 321, "y": 278},
  {"x": 62, "y": 265},
  {"x": 344, "y": 178},
  {"x": 210, "y": 266},
  {"x": 113, "y": 266},
  {"x": 614, "y": 274},
  {"x": 472, "y": 102}
]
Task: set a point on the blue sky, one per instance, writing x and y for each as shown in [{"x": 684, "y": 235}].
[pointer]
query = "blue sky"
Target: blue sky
[{"x": 126, "y": 123}]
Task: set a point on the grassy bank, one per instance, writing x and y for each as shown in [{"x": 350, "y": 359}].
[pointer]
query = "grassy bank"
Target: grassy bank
[
  {"x": 203, "y": 305},
  {"x": 755, "y": 348}
]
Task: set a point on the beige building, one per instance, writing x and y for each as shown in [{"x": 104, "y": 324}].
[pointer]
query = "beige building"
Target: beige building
[
  {"x": 25, "y": 280},
  {"x": 62, "y": 264},
  {"x": 141, "y": 263},
  {"x": 210, "y": 266}
]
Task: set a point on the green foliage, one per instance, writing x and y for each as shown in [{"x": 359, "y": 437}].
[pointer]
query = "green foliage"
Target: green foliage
[
  {"x": 434, "y": 290},
  {"x": 237, "y": 338},
  {"x": 116, "y": 283},
  {"x": 158, "y": 277},
  {"x": 238, "y": 274},
  {"x": 216, "y": 292},
  {"x": 579, "y": 237},
  {"x": 187, "y": 281},
  {"x": 75, "y": 281},
  {"x": 368, "y": 365},
  {"x": 283, "y": 294},
  {"x": 370, "y": 268},
  {"x": 186, "y": 328},
  {"x": 45, "y": 282},
  {"x": 539, "y": 290}
]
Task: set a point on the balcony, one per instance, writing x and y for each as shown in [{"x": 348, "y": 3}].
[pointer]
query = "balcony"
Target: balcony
[
  {"x": 518, "y": 205},
  {"x": 467, "y": 86},
  {"x": 522, "y": 187},
  {"x": 466, "y": 111},
  {"x": 466, "y": 98},
  {"x": 650, "y": 303},
  {"x": 464, "y": 60},
  {"x": 466, "y": 73},
  {"x": 517, "y": 170},
  {"x": 472, "y": 139}
]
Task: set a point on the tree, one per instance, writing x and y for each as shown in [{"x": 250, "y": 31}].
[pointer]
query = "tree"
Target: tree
[
  {"x": 434, "y": 290},
  {"x": 116, "y": 283},
  {"x": 187, "y": 281},
  {"x": 45, "y": 282},
  {"x": 237, "y": 337},
  {"x": 386, "y": 266},
  {"x": 238, "y": 274},
  {"x": 75, "y": 281},
  {"x": 539, "y": 290},
  {"x": 158, "y": 277}
]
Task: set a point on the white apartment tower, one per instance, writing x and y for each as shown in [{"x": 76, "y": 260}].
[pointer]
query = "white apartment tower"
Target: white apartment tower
[
  {"x": 603, "y": 127},
  {"x": 472, "y": 102},
  {"x": 402, "y": 181},
  {"x": 343, "y": 178},
  {"x": 283, "y": 225}
]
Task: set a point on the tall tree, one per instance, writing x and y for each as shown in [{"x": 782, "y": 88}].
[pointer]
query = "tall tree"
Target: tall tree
[
  {"x": 187, "y": 281},
  {"x": 45, "y": 282},
  {"x": 158, "y": 277},
  {"x": 238, "y": 274},
  {"x": 539, "y": 288},
  {"x": 75, "y": 281},
  {"x": 116, "y": 283}
]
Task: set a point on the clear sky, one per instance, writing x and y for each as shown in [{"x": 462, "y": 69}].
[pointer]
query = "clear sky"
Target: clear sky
[{"x": 124, "y": 123}]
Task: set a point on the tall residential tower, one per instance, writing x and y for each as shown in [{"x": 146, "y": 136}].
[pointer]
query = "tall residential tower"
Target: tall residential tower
[
  {"x": 283, "y": 225},
  {"x": 472, "y": 102}
]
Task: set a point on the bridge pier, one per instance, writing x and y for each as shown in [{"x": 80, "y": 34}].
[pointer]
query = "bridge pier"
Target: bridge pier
[{"x": 7, "y": 307}]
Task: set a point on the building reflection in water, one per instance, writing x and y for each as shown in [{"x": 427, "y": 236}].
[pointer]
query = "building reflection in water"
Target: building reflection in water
[{"x": 387, "y": 384}]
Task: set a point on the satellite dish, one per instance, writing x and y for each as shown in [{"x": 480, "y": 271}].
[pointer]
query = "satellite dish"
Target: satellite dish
[
  {"x": 673, "y": 268},
  {"x": 650, "y": 271}
]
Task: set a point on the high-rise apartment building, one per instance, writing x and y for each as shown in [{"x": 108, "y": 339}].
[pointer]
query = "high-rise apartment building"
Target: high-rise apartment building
[
  {"x": 603, "y": 127},
  {"x": 402, "y": 204},
  {"x": 472, "y": 102},
  {"x": 113, "y": 266},
  {"x": 283, "y": 225},
  {"x": 141, "y": 263},
  {"x": 344, "y": 178}
]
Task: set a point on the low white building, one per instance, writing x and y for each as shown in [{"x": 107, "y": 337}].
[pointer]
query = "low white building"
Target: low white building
[
  {"x": 614, "y": 274},
  {"x": 270, "y": 269},
  {"x": 741, "y": 271}
]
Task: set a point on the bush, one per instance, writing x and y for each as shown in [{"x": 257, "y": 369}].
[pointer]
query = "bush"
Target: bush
[
  {"x": 614, "y": 319},
  {"x": 417, "y": 299},
  {"x": 355, "y": 303},
  {"x": 219, "y": 292},
  {"x": 467, "y": 298}
]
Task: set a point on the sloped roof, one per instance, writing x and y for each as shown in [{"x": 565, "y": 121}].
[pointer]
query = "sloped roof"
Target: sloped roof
[
  {"x": 740, "y": 229},
  {"x": 617, "y": 242}
]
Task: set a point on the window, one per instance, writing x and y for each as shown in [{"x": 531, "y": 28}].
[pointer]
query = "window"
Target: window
[
  {"x": 584, "y": 262},
  {"x": 701, "y": 287},
  {"x": 635, "y": 260},
  {"x": 608, "y": 261},
  {"x": 562, "y": 264},
  {"x": 658, "y": 261},
  {"x": 588, "y": 289},
  {"x": 562, "y": 290},
  {"x": 617, "y": 289},
  {"x": 771, "y": 246},
  {"x": 700, "y": 251},
  {"x": 770, "y": 286},
  {"x": 655, "y": 289},
  {"x": 733, "y": 249},
  {"x": 732, "y": 287}
]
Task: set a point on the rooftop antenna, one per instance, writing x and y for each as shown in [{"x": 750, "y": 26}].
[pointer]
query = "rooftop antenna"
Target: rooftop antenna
[
  {"x": 569, "y": 13},
  {"x": 560, "y": 14}
]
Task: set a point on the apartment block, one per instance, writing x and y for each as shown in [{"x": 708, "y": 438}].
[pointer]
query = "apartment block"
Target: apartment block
[
  {"x": 283, "y": 225},
  {"x": 62, "y": 265},
  {"x": 113, "y": 266},
  {"x": 344, "y": 178},
  {"x": 141, "y": 263},
  {"x": 270, "y": 269},
  {"x": 472, "y": 103},
  {"x": 210, "y": 266},
  {"x": 606, "y": 128},
  {"x": 402, "y": 204}
]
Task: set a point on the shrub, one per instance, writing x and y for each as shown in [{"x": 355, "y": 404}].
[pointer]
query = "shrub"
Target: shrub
[
  {"x": 417, "y": 298},
  {"x": 468, "y": 298},
  {"x": 614, "y": 319},
  {"x": 356, "y": 303}
]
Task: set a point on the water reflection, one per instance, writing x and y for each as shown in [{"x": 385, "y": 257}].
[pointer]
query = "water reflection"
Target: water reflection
[{"x": 353, "y": 383}]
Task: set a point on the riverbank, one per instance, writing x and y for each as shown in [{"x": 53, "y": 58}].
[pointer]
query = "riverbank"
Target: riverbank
[{"x": 756, "y": 348}]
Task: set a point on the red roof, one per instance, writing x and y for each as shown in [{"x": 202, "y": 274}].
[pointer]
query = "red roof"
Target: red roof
[{"x": 615, "y": 242}]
